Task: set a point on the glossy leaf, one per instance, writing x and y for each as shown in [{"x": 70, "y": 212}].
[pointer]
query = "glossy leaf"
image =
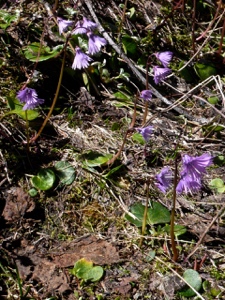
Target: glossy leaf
[
  {"x": 65, "y": 172},
  {"x": 44, "y": 180},
  {"x": 95, "y": 159}
]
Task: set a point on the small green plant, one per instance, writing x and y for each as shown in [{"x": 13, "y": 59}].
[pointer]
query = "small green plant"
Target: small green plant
[{"x": 84, "y": 269}]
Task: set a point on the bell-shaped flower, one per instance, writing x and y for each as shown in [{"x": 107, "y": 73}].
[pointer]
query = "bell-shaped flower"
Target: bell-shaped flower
[
  {"x": 146, "y": 132},
  {"x": 146, "y": 95},
  {"x": 188, "y": 185},
  {"x": 63, "y": 24},
  {"x": 164, "y": 57},
  {"x": 195, "y": 167},
  {"x": 30, "y": 98},
  {"x": 95, "y": 43},
  {"x": 160, "y": 73},
  {"x": 164, "y": 179},
  {"x": 81, "y": 60}
]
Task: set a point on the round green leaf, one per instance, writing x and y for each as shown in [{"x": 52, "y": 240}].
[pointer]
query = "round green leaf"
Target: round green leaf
[
  {"x": 193, "y": 278},
  {"x": 33, "y": 192},
  {"x": 138, "y": 211},
  {"x": 204, "y": 71},
  {"x": 95, "y": 159},
  {"x": 65, "y": 172},
  {"x": 94, "y": 274},
  {"x": 213, "y": 100},
  {"x": 158, "y": 214},
  {"x": 82, "y": 267},
  {"x": 44, "y": 180}
]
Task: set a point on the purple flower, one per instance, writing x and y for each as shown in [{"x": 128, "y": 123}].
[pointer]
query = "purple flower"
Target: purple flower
[
  {"x": 82, "y": 27},
  {"x": 79, "y": 29},
  {"x": 81, "y": 60},
  {"x": 164, "y": 57},
  {"x": 188, "y": 185},
  {"x": 89, "y": 24},
  {"x": 160, "y": 73},
  {"x": 146, "y": 132},
  {"x": 164, "y": 179},
  {"x": 146, "y": 95},
  {"x": 63, "y": 24},
  {"x": 30, "y": 97},
  {"x": 94, "y": 43},
  {"x": 195, "y": 166}
]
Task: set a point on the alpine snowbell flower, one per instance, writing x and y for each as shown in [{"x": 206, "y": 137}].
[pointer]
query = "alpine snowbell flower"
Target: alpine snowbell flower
[
  {"x": 188, "y": 185},
  {"x": 146, "y": 132},
  {"x": 192, "y": 172},
  {"x": 160, "y": 73},
  {"x": 30, "y": 98},
  {"x": 164, "y": 179},
  {"x": 146, "y": 95},
  {"x": 95, "y": 43},
  {"x": 63, "y": 24},
  {"x": 89, "y": 24},
  {"x": 195, "y": 166},
  {"x": 79, "y": 29},
  {"x": 164, "y": 57},
  {"x": 83, "y": 26},
  {"x": 81, "y": 60}
]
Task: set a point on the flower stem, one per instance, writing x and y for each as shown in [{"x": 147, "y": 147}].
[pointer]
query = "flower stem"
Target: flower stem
[
  {"x": 27, "y": 132},
  {"x": 54, "y": 100},
  {"x": 172, "y": 221},
  {"x": 144, "y": 217}
]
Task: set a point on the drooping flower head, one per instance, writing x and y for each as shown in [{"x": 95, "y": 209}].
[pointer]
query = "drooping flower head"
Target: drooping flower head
[
  {"x": 81, "y": 60},
  {"x": 164, "y": 57},
  {"x": 83, "y": 26},
  {"x": 95, "y": 43},
  {"x": 188, "y": 185},
  {"x": 89, "y": 24},
  {"x": 146, "y": 95},
  {"x": 160, "y": 73},
  {"x": 146, "y": 132},
  {"x": 30, "y": 98},
  {"x": 79, "y": 29},
  {"x": 196, "y": 166},
  {"x": 164, "y": 179},
  {"x": 192, "y": 171},
  {"x": 63, "y": 24}
]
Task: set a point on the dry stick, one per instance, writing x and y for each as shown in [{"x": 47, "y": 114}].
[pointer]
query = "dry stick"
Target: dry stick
[
  {"x": 135, "y": 71},
  {"x": 220, "y": 212}
]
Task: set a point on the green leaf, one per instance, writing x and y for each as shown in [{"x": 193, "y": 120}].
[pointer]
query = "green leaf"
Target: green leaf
[
  {"x": 113, "y": 171},
  {"x": 33, "y": 192},
  {"x": 95, "y": 159},
  {"x": 31, "y": 114},
  {"x": 44, "y": 180},
  {"x": 178, "y": 229},
  {"x": 94, "y": 274},
  {"x": 158, "y": 214},
  {"x": 65, "y": 172},
  {"x": 193, "y": 278},
  {"x": 31, "y": 52},
  {"x": 204, "y": 71},
  {"x": 84, "y": 269},
  {"x": 213, "y": 100},
  {"x": 81, "y": 267},
  {"x": 121, "y": 95},
  {"x": 137, "y": 137},
  {"x": 7, "y": 18},
  {"x": 129, "y": 44},
  {"x": 218, "y": 185},
  {"x": 137, "y": 210}
]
